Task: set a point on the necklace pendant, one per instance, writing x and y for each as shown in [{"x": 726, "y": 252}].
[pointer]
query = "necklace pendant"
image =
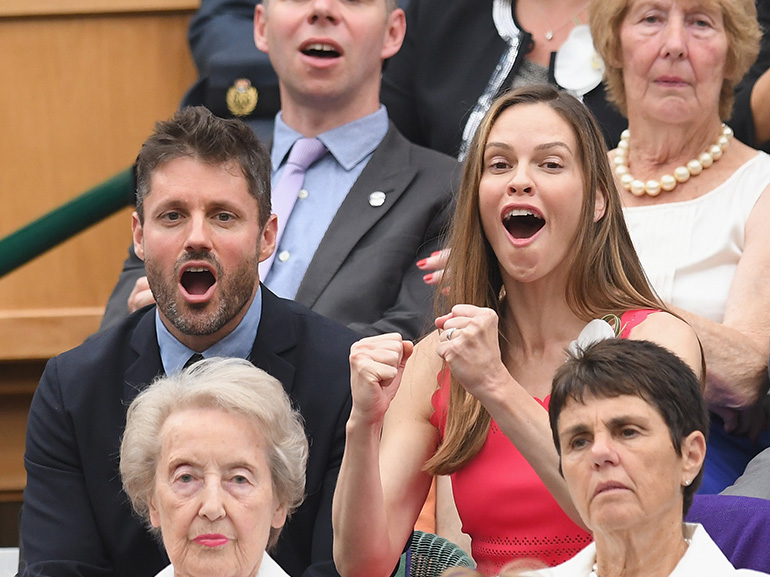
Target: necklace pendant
[{"x": 549, "y": 34}]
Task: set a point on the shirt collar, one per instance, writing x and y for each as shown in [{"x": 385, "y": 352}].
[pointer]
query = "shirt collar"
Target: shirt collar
[
  {"x": 349, "y": 143},
  {"x": 237, "y": 344}
]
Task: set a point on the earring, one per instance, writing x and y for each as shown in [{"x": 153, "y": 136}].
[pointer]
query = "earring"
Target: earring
[{"x": 687, "y": 482}]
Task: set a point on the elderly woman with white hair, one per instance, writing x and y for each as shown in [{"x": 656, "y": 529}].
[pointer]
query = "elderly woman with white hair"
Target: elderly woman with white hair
[{"x": 213, "y": 458}]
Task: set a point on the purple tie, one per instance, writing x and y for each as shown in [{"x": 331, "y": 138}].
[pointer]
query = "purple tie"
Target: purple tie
[{"x": 303, "y": 154}]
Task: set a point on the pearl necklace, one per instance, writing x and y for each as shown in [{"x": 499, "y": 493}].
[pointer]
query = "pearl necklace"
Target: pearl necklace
[{"x": 681, "y": 174}]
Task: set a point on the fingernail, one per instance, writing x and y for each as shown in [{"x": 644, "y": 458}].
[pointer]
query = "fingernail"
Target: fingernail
[
  {"x": 428, "y": 277},
  {"x": 422, "y": 262},
  {"x": 435, "y": 253}
]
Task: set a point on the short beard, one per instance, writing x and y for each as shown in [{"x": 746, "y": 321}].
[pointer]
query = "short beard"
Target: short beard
[{"x": 235, "y": 289}]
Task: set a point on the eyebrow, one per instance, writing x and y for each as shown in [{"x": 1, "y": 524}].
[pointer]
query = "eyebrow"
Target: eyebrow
[
  {"x": 613, "y": 423},
  {"x": 543, "y": 146}
]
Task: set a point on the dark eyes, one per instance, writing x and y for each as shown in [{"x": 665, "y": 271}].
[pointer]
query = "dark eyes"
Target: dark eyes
[
  {"x": 629, "y": 433},
  {"x": 578, "y": 443}
]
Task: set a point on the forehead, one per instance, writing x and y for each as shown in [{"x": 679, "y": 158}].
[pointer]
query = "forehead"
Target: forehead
[
  {"x": 211, "y": 433},
  {"x": 710, "y": 6},
  {"x": 529, "y": 125},
  {"x": 595, "y": 411},
  {"x": 190, "y": 179}
]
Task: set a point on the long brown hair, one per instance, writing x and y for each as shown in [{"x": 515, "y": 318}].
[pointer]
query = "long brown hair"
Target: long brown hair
[{"x": 606, "y": 276}]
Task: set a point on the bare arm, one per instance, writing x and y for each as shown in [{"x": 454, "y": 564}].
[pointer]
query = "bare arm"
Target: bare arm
[
  {"x": 760, "y": 97},
  {"x": 382, "y": 486},
  {"x": 737, "y": 349}
]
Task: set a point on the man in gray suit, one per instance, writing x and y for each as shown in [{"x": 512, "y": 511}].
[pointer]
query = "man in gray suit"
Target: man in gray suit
[{"x": 373, "y": 204}]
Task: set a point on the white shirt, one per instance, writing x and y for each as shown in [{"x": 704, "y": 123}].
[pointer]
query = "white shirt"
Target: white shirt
[
  {"x": 268, "y": 568},
  {"x": 702, "y": 559}
]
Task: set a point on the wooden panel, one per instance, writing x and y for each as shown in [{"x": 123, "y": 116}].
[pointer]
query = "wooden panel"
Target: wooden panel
[
  {"x": 46, "y": 332},
  {"x": 13, "y": 426},
  {"x": 79, "y": 96},
  {"x": 58, "y": 7}
]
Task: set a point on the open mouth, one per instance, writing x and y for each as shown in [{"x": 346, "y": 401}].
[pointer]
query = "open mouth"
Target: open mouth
[
  {"x": 320, "y": 50},
  {"x": 197, "y": 280},
  {"x": 522, "y": 223}
]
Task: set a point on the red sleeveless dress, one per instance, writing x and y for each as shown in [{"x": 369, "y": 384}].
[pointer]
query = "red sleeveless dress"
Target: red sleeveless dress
[{"x": 503, "y": 504}]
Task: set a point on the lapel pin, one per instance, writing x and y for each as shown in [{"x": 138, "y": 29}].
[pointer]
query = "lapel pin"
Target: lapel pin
[{"x": 377, "y": 198}]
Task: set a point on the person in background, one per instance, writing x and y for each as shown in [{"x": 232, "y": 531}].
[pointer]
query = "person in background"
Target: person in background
[
  {"x": 695, "y": 198},
  {"x": 629, "y": 422},
  {"x": 371, "y": 204},
  {"x": 540, "y": 255},
  {"x": 458, "y": 57},
  {"x": 202, "y": 225},
  {"x": 213, "y": 459}
]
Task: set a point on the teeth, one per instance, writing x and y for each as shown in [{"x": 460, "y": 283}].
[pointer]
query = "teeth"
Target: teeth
[
  {"x": 522, "y": 212},
  {"x": 197, "y": 269},
  {"x": 320, "y": 47}
]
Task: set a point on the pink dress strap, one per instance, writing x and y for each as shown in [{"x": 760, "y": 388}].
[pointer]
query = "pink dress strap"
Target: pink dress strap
[{"x": 632, "y": 318}]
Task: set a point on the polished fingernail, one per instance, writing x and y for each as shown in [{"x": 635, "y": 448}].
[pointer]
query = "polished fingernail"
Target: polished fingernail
[
  {"x": 435, "y": 253},
  {"x": 422, "y": 263},
  {"x": 428, "y": 277}
]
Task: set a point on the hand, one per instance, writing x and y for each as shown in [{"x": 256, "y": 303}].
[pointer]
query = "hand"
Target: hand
[
  {"x": 434, "y": 265},
  {"x": 469, "y": 344},
  {"x": 750, "y": 421},
  {"x": 376, "y": 366},
  {"x": 140, "y": 296}
]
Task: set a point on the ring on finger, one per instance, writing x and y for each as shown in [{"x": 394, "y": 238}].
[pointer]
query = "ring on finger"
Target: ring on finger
[{"x": 449, "y": 333}]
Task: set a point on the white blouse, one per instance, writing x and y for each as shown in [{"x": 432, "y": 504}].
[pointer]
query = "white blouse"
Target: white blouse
[{"x": 690, "y": 250}]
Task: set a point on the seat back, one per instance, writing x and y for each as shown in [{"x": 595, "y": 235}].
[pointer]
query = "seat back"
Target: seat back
[{"x": 740, "y": 526}]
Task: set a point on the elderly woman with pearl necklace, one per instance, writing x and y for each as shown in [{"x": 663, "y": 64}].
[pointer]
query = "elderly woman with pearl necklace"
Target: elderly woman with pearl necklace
[{"x": 694, "y": 196}]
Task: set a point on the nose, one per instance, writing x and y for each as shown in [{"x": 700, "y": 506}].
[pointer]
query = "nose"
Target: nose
[
  {"x": 324, "y": 10},
  {"x": 521, "y": 180},
  {"x": 603, "y": 451},
  {"x": 212, "y": 503},
  {"x": 674, "y": 38},
  {"x": 198, "y": 234}
]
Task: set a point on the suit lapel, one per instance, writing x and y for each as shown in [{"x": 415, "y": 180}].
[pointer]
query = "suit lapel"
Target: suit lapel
[
  {"x": 389, "y": 171},
  {"x": 276, "y": 337},
  {"x": 147, "y": 365}
]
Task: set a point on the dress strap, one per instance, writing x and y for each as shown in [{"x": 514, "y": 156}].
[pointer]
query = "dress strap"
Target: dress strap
[{"x": 632, "y": 318}]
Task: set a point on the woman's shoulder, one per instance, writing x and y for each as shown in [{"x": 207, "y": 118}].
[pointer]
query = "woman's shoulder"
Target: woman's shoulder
[{"x": 673, "y": 333}]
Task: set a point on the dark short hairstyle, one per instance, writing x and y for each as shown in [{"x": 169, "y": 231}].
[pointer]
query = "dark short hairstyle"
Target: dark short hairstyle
[
  {"x": 615, "y": 367},
  {"x": 194, "y": 132}
]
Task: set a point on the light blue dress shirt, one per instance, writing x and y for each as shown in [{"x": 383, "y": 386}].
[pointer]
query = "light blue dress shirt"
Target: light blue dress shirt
[
  {"x": 327, "y": 183},
  {"x": 237, "y": 344}
]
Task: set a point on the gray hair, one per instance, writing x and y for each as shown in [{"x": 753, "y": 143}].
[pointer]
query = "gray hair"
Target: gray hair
[{"x": 234, "y": 386}]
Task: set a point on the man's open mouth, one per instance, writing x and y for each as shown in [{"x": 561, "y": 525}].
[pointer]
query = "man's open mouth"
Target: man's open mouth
[
  {"x": 320, "y": 50},
  {"x": 197, "y": 280}
]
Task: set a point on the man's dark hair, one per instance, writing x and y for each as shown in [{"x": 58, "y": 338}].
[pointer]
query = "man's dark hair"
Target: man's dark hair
[
  {"x": 615, "y": 367},
  {"x": 196, "y": 133}
]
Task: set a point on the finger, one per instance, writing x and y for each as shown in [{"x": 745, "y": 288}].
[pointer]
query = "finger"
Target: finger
[
  {"x": 433, "y": 278},
  {"x": 437, "y": 260}
]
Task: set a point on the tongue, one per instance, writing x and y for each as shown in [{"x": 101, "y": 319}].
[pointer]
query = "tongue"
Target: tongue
[
  {"x": 524, "y": 226},
  {"x": 197, "y": 283}
]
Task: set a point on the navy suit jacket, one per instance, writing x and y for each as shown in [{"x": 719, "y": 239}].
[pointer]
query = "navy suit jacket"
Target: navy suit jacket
[{"x": 76, "y": 519}]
